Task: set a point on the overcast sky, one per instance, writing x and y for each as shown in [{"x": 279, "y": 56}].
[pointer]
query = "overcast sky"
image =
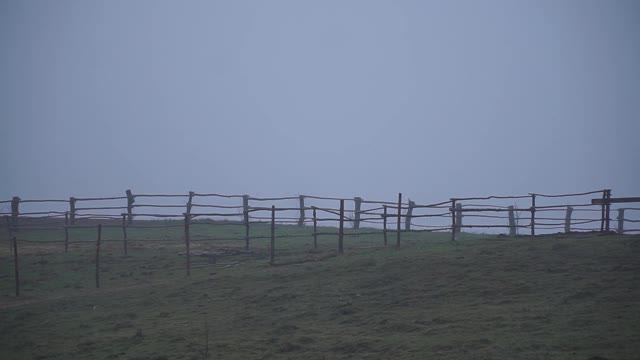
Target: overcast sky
[{"x": 341, "y": 98}]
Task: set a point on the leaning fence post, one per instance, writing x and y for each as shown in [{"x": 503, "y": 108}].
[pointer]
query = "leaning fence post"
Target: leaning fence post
[
  {"x": 315, "y": 228},
  {"x": 356, "y": 215},
  {"x": 384, "y": 224},
  {"x": 273, "y": 235},
  {"x": 512, "y": 221},
  {"x": 190, "y": 202},
  {"x": 399, "y": 222},
  {"x": 130, "y": 200},
  {"x": 98, "y": 256},
  {"x": 533, "y": 215},
  {"x": 124, "y": 233},
  {"x": 72, "y": 210},
  {"x": 407, "y": 220},
  {"x": 186, "y": 242},
  {"x": 15, "y": 265},
  {"x": 620, "y": 221},
  {"x": 567, "y": 220},
  {"x": 458, "y": 218},
  {"x": 341, "y": 229},
  {"x": 301, "y": 219}
]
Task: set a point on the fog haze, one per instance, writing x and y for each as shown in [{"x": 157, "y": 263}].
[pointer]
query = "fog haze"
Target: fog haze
[{"x": 434, "y": 99}]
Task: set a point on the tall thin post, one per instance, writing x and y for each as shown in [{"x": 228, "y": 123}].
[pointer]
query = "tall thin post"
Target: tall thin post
[
  {"x": 399, "y": 222},
  {"x": 315, "y": 229},
  {"x": 602, "y": 212},
  {"x": 608, "y": 210},
  {"x": 130, "y": 200},
  {"x": 512, "y": 221},
  {"x": 341, "y": 229},
  {"x": 567, "y": 220},
  {"x": 72, "y": 210},
  {"x": 186, "y": 242},
  {"x": 66, "y": 231},
  {"x": 245, "y": 207},
  {"x": 15, "y": 211},
  {"x": 273, "y": 235},
  {"x": 620, "y": 221},
  {"x": 356, "y": 214},
  {"x": 125, "y": 239},
  {"x": 15, "y": 265},
  {"x": 458, "y": 218},
  {"x": 98, "y": 256},
  {"x": 453, "y": 219},
  {"x": 407, "y": 220},
  {"x": 246, "y": 230},
  {"x": 533, "y": 214},
  {"x": 384, "y": 224},
  {"x": 302, "y": 216}
]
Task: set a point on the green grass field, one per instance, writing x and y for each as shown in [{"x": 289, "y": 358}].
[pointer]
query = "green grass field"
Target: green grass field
[{"x": 482, "y": 297}]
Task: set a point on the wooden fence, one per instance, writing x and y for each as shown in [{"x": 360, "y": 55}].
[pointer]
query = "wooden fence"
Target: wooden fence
[{"x": 544, "y": 213}]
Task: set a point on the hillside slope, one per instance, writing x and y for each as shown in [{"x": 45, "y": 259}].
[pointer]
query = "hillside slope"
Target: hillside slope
[{"x": 544, "y": 298}]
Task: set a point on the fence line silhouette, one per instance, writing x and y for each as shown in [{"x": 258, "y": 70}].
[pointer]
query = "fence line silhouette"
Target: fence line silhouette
[
  {"x": 372, "y": 216},
  {"x": 380, "y": 217}
]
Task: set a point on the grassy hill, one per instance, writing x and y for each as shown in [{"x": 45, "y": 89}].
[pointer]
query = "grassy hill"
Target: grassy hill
[{"x": 483, "y": 297}]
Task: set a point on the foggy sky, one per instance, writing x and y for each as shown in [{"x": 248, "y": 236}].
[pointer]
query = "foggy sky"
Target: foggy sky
[{"x": 434, "y": 99}]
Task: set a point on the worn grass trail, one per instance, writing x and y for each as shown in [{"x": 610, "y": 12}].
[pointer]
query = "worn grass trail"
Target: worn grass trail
[{"x": 495, "y": 298}]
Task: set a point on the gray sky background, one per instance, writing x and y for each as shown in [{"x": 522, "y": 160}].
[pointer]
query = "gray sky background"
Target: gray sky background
[{"x": 342, "y": 98}]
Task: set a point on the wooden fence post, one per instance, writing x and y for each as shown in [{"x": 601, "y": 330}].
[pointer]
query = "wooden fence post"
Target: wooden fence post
[
  {"x": 356, "y": 214},
  {"x": 608, "y": 210},
  {"x": 398, "y": 228},
  {"x": 66, "y": 231},
  {"x": 190, "y": 202},
  {"x": 407, "y": 220},
  {"x": 567, "y": 220},
  {"x": 72, "y": 210},
  {"x": 15, "y": 265},
  {"x": 341, "y": 229},
  {"x": 620, "y": 221},
  {"x": 98, "y": 256},
  {"x": 15, "y": 211},
  {"x": 186, "y": 242},
  {"x": 458, "y": 218},
  {"x": 245, "y": 207},
  {"x": 512, "y": 221},
  {"x": 384, "y": 224},
  {"x": 301, "y": 219},
  {"x": 246, "y": 230},
  {"x": 315, "y": 228},
  {"x": 125, "y": 239},
  {"x": 533, "y": 214},
  {"x": 602, "y": 211},
  {"x": 453, "y": 219},
  {"x": 130, "y": 200},
  {"x": 273, "y": 235}
]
